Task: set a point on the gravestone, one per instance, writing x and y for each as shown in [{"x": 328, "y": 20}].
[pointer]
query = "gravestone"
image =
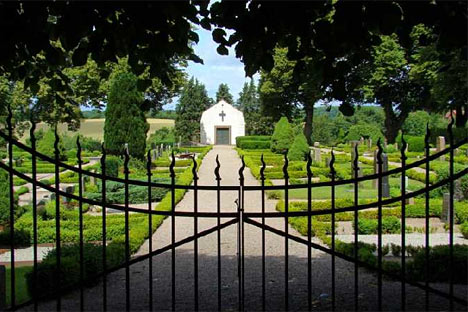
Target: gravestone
[
  {"x": 385, "y": 143},
  {"x": 409, "y": 200},
  {"x": 385, "y": 183},
  {"x": 327, "y": 162},
  {"x": 93, "y": 179},
  {"x": 83, "y": 183},
  {"x": 52, "y": 196},
  {"x": 445, "y": 216},
  {"x": 69, "y": 190},
  {"x": 441, "y": 146},
  {"x": 154, "y": 155},
  {"x": 317, "y": 155},
  {"x": 316, "y": 144},
  {"x": 18, "y": 162},
  {"x": 369, "y": 143},
  {"x": 153, "y": 145}
]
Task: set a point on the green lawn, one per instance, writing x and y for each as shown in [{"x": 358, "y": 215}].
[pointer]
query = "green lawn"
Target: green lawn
[
  {"x": 21, "y": 292},
  {"x": 94, "y": 128},
  {"x": 347, "y": 191}
]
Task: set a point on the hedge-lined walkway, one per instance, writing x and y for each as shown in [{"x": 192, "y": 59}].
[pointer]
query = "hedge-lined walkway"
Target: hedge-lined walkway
[{"x": 208, "y": 263}]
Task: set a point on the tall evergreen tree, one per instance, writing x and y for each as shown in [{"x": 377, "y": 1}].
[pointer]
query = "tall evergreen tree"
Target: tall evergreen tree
[
  {"x": 223, "y": 94},
  {"x": 249, "y": 104},
  {"x": 193, "y": 101},
  {"x": 125, "y": 120}
]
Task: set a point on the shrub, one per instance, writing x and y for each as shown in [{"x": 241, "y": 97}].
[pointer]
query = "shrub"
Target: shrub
[
  {"x": 112, "y": 166},
  {"x": 70, "y": 266},
  {"x": 415, "y": 143},
  {"x": 240, "y": 139},
  {"x": 437, "y": 264},
  {"x": 282, "y": 137},
  {"x": 390, "y": 225},
  {"x": 21, "y": 238},
  {"x": 299, "y": 149},
  {"x": 254, "y": 144},
  {"x": 464, "y": 229},
  {"x": 366, "y": 131},
  {"x": 4, "y": 198}
]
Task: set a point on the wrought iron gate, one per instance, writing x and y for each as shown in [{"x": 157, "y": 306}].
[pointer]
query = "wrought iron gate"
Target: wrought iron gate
[{"x": 239, "y": 218}]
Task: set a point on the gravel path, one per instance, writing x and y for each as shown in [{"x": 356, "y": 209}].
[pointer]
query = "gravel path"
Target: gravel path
[
  {"x": 411, "y": 239},
  {"x": 208, "y": 264},
  {"x": 25, "y": 254}
]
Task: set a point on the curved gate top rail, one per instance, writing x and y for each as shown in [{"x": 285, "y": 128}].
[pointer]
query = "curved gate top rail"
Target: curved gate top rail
[{"x": 239, "y": 218}]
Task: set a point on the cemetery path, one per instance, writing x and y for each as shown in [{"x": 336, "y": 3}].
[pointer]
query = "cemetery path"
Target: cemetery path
[{"x": 208, "y": 263}]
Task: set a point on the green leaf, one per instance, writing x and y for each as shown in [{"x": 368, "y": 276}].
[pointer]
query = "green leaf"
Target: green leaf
[
  {"x": 218, "y": 35},
  {"x": 222, "y": 50}
]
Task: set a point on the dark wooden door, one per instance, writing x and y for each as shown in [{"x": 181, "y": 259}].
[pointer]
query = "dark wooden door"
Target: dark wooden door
[{"x": 222, "y": 136}]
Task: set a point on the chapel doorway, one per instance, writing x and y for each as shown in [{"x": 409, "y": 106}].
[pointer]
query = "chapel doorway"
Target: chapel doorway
[{"x": 223, "y": 135}]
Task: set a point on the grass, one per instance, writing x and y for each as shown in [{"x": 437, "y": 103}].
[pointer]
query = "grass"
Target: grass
[
  {"x": 347, "y": 190},
  {"x": 21, "y": 289},
  {"x": 94, "y": 128}
]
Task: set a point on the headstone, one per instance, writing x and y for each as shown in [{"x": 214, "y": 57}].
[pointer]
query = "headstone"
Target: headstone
[
  {"x": 317, "y": 155},
  {"x": 327, "y": 162},
  {"x": 153, "y": 145},
  {"x": 69, "y": 190},
  {"x": 93, "y": 179},
  {"x": 316, "y": 144},
  {"x": 441, "y": 146},
  {"x": 394, "y": 145},
  {"x": 162, "y": 147},
  {"x": 361, "y": 140},
  {"x": 406, "y": 183},
  {"x": 18, "y": 162},
  {"x": 83, "y": 183},
  {"x": 369, "y": 143},
  {"x": 409, "y": 200},
  {"x": 52, "y": 196},
  {"x": 445, "y": 216},
  {"x": 154, "y": 155},
  {"x": 385, "y": 183},
  {"x": 385, "y": 143}
]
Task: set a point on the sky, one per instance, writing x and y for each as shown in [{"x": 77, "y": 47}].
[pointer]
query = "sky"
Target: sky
[{"x": 216, "y": 69}]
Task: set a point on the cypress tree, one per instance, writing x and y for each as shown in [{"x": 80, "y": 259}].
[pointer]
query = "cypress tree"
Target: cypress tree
[
  {"x": 223, "y": 94},
  {"x": 193, "y": 102},
  {"x": 299, "y": 148},
  {"x": 125, "y": 120},
  {"x": 282, "y": 137}
]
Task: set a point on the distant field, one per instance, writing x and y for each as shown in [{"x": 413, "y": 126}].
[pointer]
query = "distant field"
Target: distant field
[{"x": 94, "y": 127}]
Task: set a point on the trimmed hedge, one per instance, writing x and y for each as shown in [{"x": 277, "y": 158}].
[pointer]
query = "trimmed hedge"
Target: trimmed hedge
[
  {"x": 253, "y": 144},
  {"x": 256, "y": 138}
]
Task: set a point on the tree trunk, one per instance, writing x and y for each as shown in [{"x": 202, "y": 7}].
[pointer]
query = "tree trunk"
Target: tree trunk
[
  {"x": 309, "y": 110},
  {"x": 393, "y": 123},
  {"x": 462, "y": 116}
]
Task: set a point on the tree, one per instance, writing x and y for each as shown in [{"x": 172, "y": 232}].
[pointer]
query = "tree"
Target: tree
[
  {"x": 287, "y": 87},
  {"x": 299, "y": 149},
  {"x": 223, "y": 94},
  {"x": 249, "y": 103},
  {"x": 125, "y": 120},
  {"x": 4, "y": 198},
  {"x": 282, "y": 137},
  {"x": 193, "y": 102},
  {"x": 390, "y": 84}
]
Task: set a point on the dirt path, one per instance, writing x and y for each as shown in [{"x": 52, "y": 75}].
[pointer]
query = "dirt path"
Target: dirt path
[{"x": 208, "y": 263}]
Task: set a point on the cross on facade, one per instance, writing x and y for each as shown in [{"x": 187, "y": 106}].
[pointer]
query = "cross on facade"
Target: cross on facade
[{"x": 222, "y": 114}]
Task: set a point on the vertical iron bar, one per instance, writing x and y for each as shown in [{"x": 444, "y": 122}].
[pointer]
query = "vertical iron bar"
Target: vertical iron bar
[
  {"x": 80, "y": 217},
  {"x": 262, "y": 179},
  {"x": 104, "y": 232},
  {"x": 195, "y": 229},
  {"x": 34, "y": 206},
  {"x": 426, "y": 254},
  {"x": 403, "y": 223},
  {"x": 57, "y": 220},
  {"x": 12, "y": 208},
  {"x": 379, "y": 227},
  {"x": 150, "y": 234},
  {"x": 451, "y": 208},
  {"x": 309, "y": 231},
  {"x": 241, "y": 236},
  {"x": 356, "y": 227},
  {"x": 127, "y": 234},
  {"x": 286, "y": 231},
  {"x": 333, "y": 175},
  {"x": 173, "y": 232},
  {"x": 218, "y": 205}
]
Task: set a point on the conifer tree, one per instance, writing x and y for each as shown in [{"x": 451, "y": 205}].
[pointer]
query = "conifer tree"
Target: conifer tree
[
  {"x": 282, "y": 137},
  {"x": 223, "y": 94},
  {"x": 299, "y": 148},
  {"x": 193, "y": 102},
  {"x": 125, "y": 120}
]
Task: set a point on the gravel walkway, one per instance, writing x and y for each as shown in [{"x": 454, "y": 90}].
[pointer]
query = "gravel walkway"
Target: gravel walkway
[
  {"x": 435, "y": 239},
  {"x": 25, "y": 254},
  {"x": 208, "y": 264}
]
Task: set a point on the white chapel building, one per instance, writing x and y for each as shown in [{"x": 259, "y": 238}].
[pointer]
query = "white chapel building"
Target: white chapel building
[{"x": 222, "y": 123}]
